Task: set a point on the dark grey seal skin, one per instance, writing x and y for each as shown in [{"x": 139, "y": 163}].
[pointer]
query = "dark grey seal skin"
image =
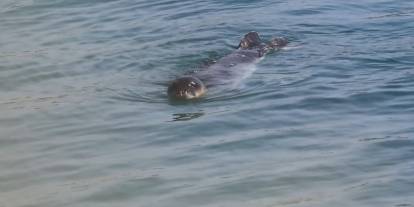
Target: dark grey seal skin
[{"x": 226, "y": 70}]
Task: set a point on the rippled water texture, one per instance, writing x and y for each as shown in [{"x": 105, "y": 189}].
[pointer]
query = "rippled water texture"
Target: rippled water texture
[{"x": 85, "y": 120}]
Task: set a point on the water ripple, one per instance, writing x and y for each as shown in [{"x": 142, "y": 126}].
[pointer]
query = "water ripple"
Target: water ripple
[{"x": 85, "y": 118}]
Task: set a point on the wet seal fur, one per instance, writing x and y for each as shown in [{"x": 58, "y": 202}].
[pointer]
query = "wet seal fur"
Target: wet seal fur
[{"x": 250, "y": 50}]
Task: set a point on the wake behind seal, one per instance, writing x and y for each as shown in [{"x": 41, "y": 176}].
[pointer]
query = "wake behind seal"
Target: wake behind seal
[{"x": 251, "y": 49}]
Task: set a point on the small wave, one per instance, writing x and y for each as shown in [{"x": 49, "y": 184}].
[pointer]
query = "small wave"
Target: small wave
[
  {"x": 146, "y": 97},
  {"x": 393, "y": 14}
]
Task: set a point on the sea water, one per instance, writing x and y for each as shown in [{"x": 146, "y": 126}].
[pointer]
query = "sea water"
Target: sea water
[{"x": 85, "y": 121}]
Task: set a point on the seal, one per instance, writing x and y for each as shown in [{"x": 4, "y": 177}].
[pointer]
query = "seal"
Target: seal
[{"x": 250, "y": 50}]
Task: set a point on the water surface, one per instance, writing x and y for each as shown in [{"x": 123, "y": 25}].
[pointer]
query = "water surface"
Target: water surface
[{"x": 85, "y": 120}]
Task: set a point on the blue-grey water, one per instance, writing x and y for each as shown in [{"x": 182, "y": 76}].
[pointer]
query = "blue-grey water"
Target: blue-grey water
[{"x": 85, "y": 121}]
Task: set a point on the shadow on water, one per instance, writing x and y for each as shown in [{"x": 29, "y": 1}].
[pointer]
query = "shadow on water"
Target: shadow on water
[{"x": 186, "y": 116}]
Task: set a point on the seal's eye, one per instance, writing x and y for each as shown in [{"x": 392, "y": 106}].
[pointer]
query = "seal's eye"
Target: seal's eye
[{"x": 192, "y": 84}]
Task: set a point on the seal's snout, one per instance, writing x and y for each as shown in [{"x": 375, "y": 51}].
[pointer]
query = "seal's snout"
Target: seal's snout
[{"x": 185, "y": 88}]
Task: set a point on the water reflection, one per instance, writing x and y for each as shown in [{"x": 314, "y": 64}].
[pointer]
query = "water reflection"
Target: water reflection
[{"x": 186, "y": 116}]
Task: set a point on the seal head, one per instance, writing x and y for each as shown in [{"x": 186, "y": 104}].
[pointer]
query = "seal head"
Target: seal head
[{"x": 187, "y": 87}]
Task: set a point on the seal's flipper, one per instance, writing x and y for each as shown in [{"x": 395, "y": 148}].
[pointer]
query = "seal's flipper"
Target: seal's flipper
[
  {"x": 278, "y": 42},
  {"x": 275, "y": 44},
  {"x": 250, "y": 40}
]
